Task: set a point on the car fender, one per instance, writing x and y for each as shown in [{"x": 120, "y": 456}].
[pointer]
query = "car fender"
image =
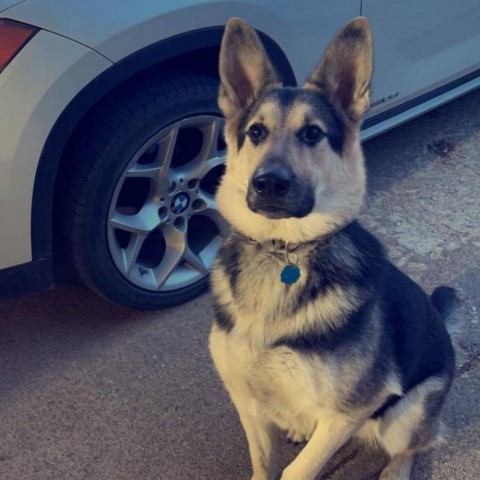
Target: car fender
[{"x": 43, "y": 194}]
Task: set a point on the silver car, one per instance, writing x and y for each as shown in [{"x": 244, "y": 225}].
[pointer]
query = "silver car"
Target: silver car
[{"x": 111, "y": 139}]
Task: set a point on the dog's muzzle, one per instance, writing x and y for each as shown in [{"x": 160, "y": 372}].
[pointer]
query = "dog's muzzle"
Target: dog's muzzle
[
  {"x": 272, "y": 184},
  {"x": 275, "y": 192}
]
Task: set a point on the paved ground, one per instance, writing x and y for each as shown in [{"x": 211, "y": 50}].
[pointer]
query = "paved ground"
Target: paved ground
[{"x": 93, "y": 391}]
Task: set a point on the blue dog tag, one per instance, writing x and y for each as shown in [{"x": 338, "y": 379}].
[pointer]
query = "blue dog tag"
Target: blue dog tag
[{"x": 290, "y": 274}]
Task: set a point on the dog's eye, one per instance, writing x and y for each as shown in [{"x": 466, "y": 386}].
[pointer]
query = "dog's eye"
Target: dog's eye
[
  {"x": 257, "y": 132},
  {"x": 311, "y": 135}
]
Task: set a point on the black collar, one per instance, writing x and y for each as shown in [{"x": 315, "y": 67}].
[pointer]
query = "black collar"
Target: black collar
[{"x": 282, "y": 246}]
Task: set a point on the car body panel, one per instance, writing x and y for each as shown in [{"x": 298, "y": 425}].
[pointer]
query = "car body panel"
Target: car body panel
[
  {"x": 391, "y": 119},
  {"x": 32, "y": 96},
  {"x": 434, "y": 50},
  {"x": 420, "y": 46},
  {"x": 135, "y": 25},
  {"x": 6, "y": 4}
]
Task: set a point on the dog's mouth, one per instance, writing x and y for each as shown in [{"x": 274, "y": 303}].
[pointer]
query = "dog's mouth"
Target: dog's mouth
[{"x": 276, "y": 211}]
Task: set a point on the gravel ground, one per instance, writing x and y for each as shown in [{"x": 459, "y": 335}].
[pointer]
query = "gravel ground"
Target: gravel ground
[{"x": 93, "y": 391}]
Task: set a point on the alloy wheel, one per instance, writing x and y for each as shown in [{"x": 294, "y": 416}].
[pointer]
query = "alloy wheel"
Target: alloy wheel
[{"x": 164, "y": 230}]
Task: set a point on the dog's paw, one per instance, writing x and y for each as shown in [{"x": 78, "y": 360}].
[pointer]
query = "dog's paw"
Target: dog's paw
[
  {"x": 296, "y": 437},
  {"x": 398, "y": 468},
  {"x": 391, "y": 475}
]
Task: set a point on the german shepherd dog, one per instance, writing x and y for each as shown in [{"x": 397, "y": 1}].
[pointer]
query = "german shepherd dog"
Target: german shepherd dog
[{"x": 316, "y": 333}]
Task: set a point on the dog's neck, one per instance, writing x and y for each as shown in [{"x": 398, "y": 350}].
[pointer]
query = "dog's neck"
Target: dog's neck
[{"x": 283, "y": 248}]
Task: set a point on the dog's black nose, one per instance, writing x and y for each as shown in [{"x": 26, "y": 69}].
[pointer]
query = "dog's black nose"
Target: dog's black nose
[{"x": 272, "y": 183}]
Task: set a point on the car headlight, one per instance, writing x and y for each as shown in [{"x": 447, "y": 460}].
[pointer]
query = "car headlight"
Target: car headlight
[{"x": 13, "y": 37}]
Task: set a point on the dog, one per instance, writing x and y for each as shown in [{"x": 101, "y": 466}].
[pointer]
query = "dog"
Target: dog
[{"x": 316, "y": 334}]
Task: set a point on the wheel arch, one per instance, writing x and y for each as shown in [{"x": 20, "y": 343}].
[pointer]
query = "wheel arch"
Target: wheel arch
[{"x": 182, "y": 51}]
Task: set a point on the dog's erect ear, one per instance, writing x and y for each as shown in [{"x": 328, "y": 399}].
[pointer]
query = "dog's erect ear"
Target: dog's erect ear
[
  {"x": 345, "y": 69},
  {"x": 245, "y": 68}
]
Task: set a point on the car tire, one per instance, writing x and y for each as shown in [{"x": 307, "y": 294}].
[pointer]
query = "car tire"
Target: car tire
[{"x": 124, "y": 145}]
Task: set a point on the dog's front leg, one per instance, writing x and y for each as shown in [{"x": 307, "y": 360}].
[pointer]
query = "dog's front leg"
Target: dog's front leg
[
  {"x": 329, "y": 435},
  {"x": 262, "y": 438}
]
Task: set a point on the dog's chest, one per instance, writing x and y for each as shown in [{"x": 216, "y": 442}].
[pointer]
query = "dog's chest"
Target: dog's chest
[
  {"x": 259, "y": 288},
  {"x": 288, "y": 388}
]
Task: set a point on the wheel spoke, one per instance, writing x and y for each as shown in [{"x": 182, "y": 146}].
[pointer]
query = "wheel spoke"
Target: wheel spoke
[
  {"x": 176, "y": 245},
  {"x": 195, "y": 261},
  {"x": 160, "y": 170},
  {"x": 210, "y": 251},
  {"x": 130, "y": 254},
  {"x": 141, "y": 223},
  {"x": 209, "y": 209},
  {"x": 166, "y": 147},
  {"x": 199, "y": 168},
  {"x": 143, "y": 171},
  {"x": 210, "y": 139},
  {"x": 209, "y": 156}
]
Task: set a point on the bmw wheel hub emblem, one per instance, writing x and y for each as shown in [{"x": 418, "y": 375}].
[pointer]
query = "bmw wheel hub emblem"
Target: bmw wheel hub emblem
[{"x": 180, "y": 203}]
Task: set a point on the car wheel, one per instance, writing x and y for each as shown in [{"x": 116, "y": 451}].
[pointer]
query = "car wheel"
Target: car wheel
[{"x": 141, "y": 224}]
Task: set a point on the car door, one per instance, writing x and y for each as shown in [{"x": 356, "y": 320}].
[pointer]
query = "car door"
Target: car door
[
  {"x": 422, "y": 48},
  {"x": 303, "y": 28}
]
